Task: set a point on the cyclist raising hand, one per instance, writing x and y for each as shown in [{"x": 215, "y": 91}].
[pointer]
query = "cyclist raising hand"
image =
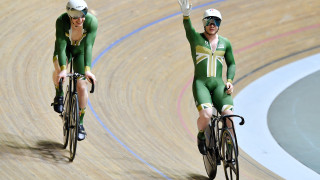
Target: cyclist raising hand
[
  {"x": 75, "y": 35},
  {"x": 209, "y": 50}
]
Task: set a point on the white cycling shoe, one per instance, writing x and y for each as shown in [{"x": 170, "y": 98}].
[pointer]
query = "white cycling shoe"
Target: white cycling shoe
[{"x": 82, "y": 133}]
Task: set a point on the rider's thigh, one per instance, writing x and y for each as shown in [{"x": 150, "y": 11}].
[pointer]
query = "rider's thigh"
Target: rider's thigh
[
  {"x": 221, "y": 98},
  {"x": 78, "y": 63}
]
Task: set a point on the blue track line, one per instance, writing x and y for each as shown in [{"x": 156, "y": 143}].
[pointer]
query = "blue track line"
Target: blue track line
[{"x": 110, "y": 47}]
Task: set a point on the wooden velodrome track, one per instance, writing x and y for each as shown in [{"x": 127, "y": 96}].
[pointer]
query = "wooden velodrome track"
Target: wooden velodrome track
[{"x": 142, "y": 120}]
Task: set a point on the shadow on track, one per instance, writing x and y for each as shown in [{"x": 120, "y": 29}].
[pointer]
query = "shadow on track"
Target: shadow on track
[
  {"x": 197, "y": 177},
  {"x": 36, "y": 149}
]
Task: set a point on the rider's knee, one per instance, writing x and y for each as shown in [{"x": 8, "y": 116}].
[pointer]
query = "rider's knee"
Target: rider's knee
[
  {"x": 81, "y": 87},
  {"x": 206, "y": 113},
  {"x": 227, "y": 109}
]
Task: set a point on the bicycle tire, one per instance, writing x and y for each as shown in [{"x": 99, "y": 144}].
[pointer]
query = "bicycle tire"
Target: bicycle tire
[
  {"x": 74, "y": 127},
  {"x": 210, "y": 160},
  {"x": 65, "y": 120},
  {"x": 230, "y": 156}
]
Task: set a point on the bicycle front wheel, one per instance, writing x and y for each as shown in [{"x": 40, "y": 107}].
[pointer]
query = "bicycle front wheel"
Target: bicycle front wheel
[
  {"x": 230, "y": 156},
  {"x": 210, "y": 160},
  {"x": 74, "y": 126},
  {"x": 65, "y": 120}
]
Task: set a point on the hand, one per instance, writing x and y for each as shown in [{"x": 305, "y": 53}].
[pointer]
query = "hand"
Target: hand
[
  {"x": 229, "y": 87},
  {"x": 90, "y": 76},
  {"x": 185, "y": 7},
  {"x": 63, "y": 75}
]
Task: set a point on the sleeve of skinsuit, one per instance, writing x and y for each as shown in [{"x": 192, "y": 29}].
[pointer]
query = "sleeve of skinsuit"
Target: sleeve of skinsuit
[
  {"x": 190, "y": 31},
  {"x": 61, "y": 43},
  {"x": 231, "y": 65},
  {"x": 91, "y": 36}
]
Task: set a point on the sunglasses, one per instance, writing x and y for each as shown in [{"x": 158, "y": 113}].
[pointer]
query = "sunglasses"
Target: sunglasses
[
  {"x": 74, "y": 14},
  {"x": 77, "y": 17},
  {"x": 211, "y": 20}
]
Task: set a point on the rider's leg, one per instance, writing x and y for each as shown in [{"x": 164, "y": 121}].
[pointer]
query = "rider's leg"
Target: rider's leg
[
  {"x": 203, "y": 102},
  {"x": 82, "y": 91},
  {"x": 229, "y": 120},
  {"x": 83, "y": 97},
  {"x": 58, "y": 100},
  {"x": 83, "y": 100},
  {"x": 203, "y": 121},
  {"x": 204, "y": 118}
]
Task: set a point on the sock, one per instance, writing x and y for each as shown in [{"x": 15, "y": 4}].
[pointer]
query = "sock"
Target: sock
[
  {"x": 58, "y": 93},
  {"x": 82, "y": 112},
  {"x": 201, "y": 134}
]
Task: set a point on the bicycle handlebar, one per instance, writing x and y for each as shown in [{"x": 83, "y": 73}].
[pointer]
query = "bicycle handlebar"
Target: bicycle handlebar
[
  {"x": 60, "y": 84},
  {"x": 92, "y": 86},
  {"x": 233, "y": 115},
  {"x": 76, "y": 75}
]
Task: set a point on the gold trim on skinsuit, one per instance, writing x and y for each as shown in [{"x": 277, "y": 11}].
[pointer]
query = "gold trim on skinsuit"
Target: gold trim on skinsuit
[
  {"x": 204, "y": 106},
  {"x": 76, "y": 43},
  {"x": 63, "y": 67},
  {"x": 186, "y": 17},
  {"x": 55, "y": 58},
  {"x": 87, "y": 68},
  {"x": 227, "y": 107},
  {"x": 202, "y": 53}
]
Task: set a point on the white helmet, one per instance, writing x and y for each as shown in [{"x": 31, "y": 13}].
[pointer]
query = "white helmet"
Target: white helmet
[
  {"x": 77, "y": 8},
  {"x": 212, "y": 12},
  {"x": 212, "y": 16}
]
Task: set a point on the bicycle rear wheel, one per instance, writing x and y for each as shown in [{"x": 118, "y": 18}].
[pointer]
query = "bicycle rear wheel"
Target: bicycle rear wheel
[
  {"x": 210, "y": 160},
  {"x": 65, "y": 120},
  {"x": 74, "y": 126},
  {"x": 230, "y": 156}
]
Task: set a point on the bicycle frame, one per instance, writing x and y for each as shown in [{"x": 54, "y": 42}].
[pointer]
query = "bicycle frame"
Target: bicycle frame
[
  {"x": 222, "y": 146},
  {"x": 71, "y": 111},
  {"x": 217, "y": 130}
]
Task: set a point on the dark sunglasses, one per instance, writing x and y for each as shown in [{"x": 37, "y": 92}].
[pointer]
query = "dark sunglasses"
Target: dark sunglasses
[{"x": 211, "y": 20}]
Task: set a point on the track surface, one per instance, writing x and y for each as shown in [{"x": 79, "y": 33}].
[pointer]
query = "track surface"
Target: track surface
[{"x": 141, "y": 121}]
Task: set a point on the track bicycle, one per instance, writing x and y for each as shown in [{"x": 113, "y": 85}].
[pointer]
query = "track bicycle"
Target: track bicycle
[
  {"x": 70, "y": 114},
  {"x": 222, "y": 145}
]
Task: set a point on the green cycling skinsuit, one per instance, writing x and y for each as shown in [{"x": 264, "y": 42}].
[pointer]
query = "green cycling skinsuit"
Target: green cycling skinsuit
[
  {"x": 80, "y": 51},
  {"x": 208, "y": 69}
]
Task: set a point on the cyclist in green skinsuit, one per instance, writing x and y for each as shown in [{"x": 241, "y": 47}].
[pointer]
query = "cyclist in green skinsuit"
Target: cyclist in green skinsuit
[
  {"x": 209, "y": 50},
  {"x": 75, "y": 35}
]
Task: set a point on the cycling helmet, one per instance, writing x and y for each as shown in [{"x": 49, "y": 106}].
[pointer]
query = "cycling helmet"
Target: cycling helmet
[
  {"x": 211, "y": 15},
  {"x": 77, "y": 8}
]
